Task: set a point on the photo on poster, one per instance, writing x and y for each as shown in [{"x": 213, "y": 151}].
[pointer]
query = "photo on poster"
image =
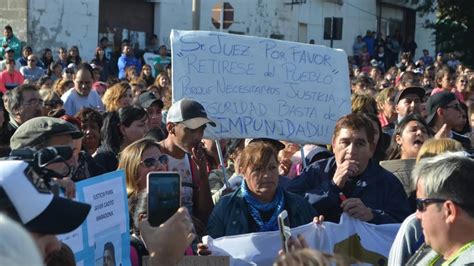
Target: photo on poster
[{"x": 108, "y": 247}]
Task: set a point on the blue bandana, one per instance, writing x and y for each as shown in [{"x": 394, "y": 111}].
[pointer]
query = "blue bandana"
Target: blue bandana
[{"x": 255, "y": 206}]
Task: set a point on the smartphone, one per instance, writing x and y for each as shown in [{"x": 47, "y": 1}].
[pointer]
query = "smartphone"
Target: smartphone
[
  {"x": 285, "y": 231},
  {"x": 164, "y": 197}
]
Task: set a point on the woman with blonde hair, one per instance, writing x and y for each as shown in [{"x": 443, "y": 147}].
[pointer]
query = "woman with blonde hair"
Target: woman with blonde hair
[
  {"x": 136, "y": 170},
  {"x": 162, "y": 81},
  {"x": 433, "y": 147},
  {"x": 363, "y": 103},
  {"x": 117, "y": 96}
]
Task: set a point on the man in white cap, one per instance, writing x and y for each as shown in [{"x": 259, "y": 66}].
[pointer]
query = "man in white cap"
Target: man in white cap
[
  {"x": 186, "y": 122},
  {"x": 25, "y": 198}
]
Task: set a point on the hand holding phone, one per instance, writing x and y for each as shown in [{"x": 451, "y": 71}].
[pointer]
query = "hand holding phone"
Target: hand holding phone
[
  {"x": 285, "y": 230},
  {"x": 164, "y": 197}
]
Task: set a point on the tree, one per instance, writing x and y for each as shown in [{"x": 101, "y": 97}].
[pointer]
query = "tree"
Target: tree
[{"x": 454, "y": 27}]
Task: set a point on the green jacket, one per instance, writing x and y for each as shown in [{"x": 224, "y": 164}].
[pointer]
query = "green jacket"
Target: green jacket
[{"x": 13, "y": 43}]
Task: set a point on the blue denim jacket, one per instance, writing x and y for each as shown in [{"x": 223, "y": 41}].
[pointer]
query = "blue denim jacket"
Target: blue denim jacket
[
  {"x": 231, "y": 215},
  {"x": 378, "y": 189}
]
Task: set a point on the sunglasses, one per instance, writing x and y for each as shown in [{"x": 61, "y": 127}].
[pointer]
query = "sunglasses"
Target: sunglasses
[
  {"x": 421, "y": 204},
  {"x": 149, "y": 162}
]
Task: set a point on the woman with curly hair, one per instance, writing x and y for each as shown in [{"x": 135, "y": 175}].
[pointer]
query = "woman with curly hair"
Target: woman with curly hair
[
  {"x": 117, "y": 96},
  {"x": 62, "y": 85}
]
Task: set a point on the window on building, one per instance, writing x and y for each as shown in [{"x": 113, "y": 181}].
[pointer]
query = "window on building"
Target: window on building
[{"x": 333, "y": 27}]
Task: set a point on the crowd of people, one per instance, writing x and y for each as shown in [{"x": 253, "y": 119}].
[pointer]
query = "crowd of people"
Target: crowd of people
[{"x": 401, "y": 156}]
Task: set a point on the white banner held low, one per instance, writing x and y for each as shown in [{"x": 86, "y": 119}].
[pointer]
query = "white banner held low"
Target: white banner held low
[
  {"x": 364, "y": 242},
  {"x": 259, "y": 87}
]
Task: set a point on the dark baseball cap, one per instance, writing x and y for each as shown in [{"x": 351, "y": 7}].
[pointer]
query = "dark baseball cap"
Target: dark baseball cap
[
  {"x": 25, "y": 198},
  {"x": 409, "y": 90},
  {"x": 148, "y": 98},
  {"x": 36, "y": 130},
  {"x": 9, "y": 49},
  {"x": 435, "y": 101},
  {"x": 190, "y": 113}
]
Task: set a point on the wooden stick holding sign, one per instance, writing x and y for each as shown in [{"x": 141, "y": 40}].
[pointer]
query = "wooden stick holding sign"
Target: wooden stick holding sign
[{"x": 221, "y": 162}]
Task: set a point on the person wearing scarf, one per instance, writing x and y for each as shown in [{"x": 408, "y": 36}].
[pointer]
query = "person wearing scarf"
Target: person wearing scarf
[{"x": 255, "y": 206}]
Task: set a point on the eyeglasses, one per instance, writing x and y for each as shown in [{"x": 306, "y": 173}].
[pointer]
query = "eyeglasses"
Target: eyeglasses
[
  {"x": 456, "y": 106},
  {"x": 421, "y": 204},
  {"x": 463, "y": 81},
  {"x": 152, "y": 161},
  {"x": 31, "y": 60}
]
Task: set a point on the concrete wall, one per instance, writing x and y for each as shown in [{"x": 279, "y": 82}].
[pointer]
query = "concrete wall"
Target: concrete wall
[
  {"x": 64, "y": 23},
  {"x": 14, "y": 13}
]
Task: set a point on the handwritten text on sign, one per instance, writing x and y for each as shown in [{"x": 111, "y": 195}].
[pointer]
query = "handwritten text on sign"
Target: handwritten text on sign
[{"x": 257, "y": 87}]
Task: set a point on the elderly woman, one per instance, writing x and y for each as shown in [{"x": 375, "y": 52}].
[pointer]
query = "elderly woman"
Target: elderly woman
[{"x": 255, "y": 206}]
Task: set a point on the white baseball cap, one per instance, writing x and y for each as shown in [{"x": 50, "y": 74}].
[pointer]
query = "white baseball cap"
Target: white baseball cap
[
  {"x": 25, "y": 198},
  {"x": 190, "y": 113}
]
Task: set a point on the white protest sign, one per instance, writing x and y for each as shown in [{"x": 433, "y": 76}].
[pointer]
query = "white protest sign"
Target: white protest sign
[
  {"x": 105, "y": 233},
  {"x": 258, "y": 87}
]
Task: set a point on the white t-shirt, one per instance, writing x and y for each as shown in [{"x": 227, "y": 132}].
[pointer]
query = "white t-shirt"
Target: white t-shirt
[
  {"x": 183, "y": 167},
  {"x": 73, "y": 102}
]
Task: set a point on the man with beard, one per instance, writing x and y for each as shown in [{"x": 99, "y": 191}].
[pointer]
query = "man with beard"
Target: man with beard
[
  {"x": 127, "y": 59},
  {"x": 186, "y": 122},
  {"x": 22, "y": 103}
]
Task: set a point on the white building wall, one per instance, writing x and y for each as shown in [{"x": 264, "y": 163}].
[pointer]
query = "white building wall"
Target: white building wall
[
  {"x": 265, "y": 17},
  {"x": 424, "y": 37},
  {"x": 64, "y": 23}
]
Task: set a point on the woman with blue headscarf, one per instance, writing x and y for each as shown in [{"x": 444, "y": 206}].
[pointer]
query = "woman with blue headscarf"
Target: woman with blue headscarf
[{"x": 255, "y": 206}]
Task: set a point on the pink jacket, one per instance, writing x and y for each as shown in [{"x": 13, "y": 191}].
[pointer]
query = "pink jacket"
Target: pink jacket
[
  {"x": 10, "y": 79},
  {"x": 453, "y": 90}
]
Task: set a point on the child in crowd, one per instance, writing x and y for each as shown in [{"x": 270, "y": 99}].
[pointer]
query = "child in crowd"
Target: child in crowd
[{"x": 445, "y": 82}]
